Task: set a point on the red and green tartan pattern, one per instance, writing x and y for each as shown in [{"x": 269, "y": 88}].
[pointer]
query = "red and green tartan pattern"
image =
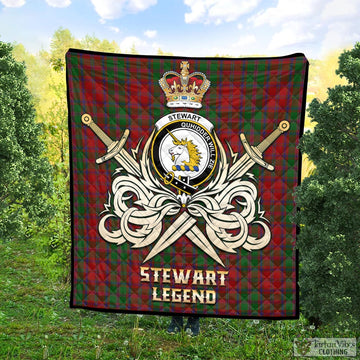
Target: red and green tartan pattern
[{"x": 250, "y": 96}]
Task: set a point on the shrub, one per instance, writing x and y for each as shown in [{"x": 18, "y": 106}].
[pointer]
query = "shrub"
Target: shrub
[{"x": 329, "y": 202}]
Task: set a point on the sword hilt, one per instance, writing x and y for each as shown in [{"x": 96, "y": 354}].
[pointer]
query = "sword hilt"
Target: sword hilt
[
  {"x": 113, "y": 147},
  {"x": 255, "y": 152},
  {"x": 282, "y": 127},
  {"x": 87, "y": 120}
]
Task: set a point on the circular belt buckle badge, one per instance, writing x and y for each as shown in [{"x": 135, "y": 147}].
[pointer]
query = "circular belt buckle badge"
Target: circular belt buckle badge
[{"x": 183, "y": 150}]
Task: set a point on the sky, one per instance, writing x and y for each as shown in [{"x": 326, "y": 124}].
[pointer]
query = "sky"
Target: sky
[{"x": 189, "y": 27}]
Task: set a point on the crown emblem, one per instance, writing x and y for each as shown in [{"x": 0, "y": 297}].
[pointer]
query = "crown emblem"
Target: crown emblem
[{"x": 184, "y": 89}]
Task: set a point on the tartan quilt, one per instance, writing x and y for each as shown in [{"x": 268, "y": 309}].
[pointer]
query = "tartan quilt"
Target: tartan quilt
[{"x": 182, "y": 179}]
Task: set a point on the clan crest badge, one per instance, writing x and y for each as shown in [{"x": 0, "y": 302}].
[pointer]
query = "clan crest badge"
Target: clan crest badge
[{"x": 183, "y": 151}]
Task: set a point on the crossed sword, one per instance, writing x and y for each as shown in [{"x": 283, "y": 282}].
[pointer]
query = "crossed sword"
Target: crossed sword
[{"x": 185, "y": 224}]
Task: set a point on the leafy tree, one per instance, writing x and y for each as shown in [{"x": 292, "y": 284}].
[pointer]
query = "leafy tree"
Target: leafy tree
[
  {"x": 160, "y": 52},
  {"x": 46, "y": 72},
  {"x": 133, "y": 49},
  {"x": 61, "y": 42},
  {"x": 57, "y": 239},
  {"x": 25, "y": 174},
  {"x": 37, "y": 73},
  {"x": 329, "y": 202},
  {"x": 325, "y": 76},
  {"x": 95, "y": 44}
]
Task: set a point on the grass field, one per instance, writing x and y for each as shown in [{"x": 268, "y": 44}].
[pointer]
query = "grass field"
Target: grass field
[{"x": 37, "y": 323}]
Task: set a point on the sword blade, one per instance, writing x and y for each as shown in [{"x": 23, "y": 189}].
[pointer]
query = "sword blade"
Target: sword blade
[
  {"x": 241, "y": 167},
  {"x": 200, "y": 240},
  {"x": 184, "y": 225},
  {"x": 128, "y": 162},
  {"x": 178, "y": 228},
  {"x": 123, "y": 157}
]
